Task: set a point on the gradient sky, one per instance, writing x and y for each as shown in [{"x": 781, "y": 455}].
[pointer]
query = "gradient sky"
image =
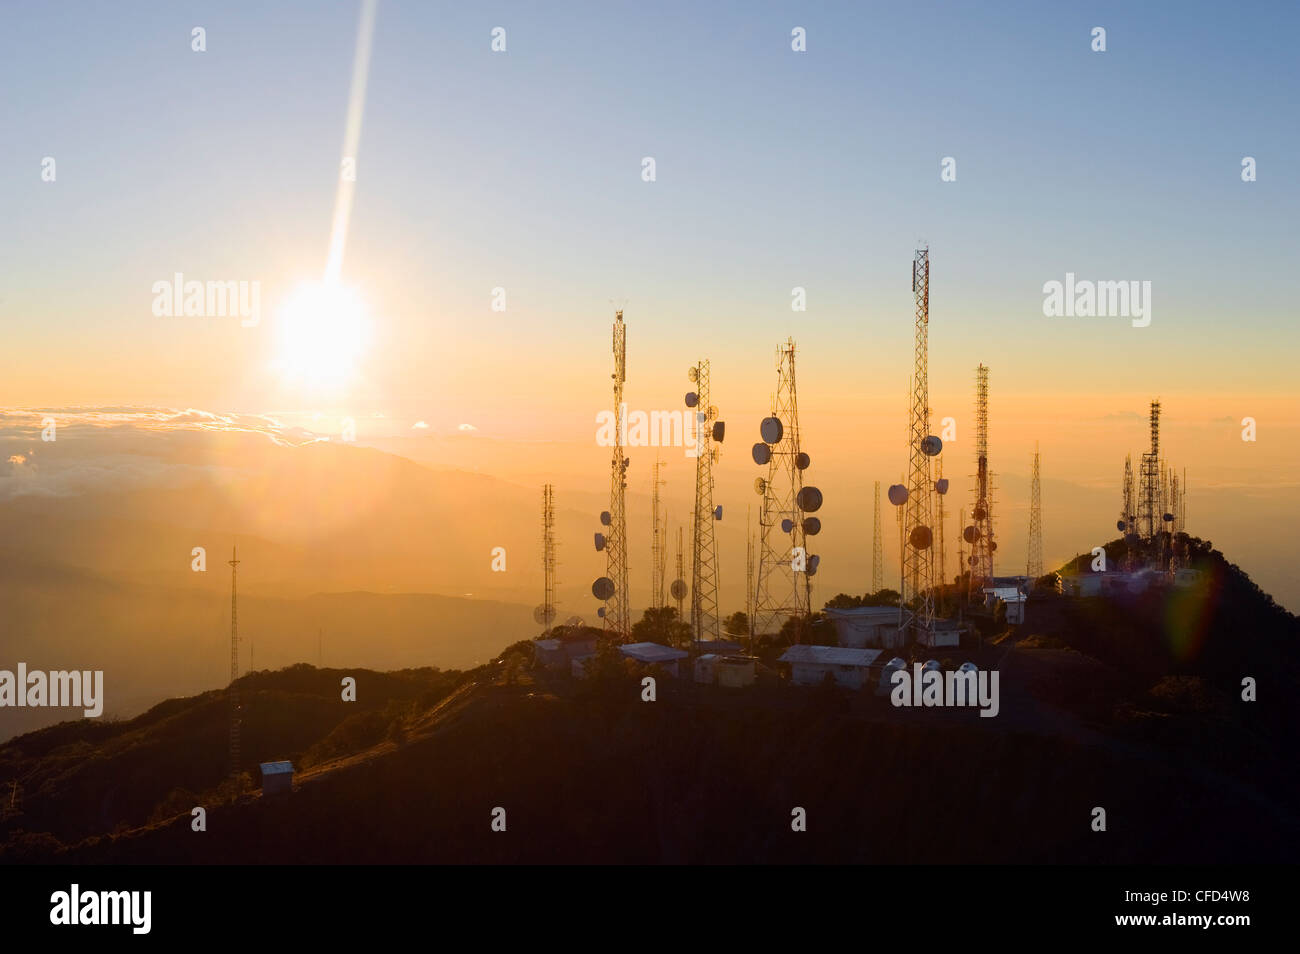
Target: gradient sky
[{"x": 775, "y": 169}]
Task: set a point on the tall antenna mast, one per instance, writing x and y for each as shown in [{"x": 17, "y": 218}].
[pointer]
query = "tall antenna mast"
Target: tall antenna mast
[
  {"x": 941, "y": 570},
  {"x": 658, "y": 543},
  {"x": 918, "y": 518},
  {"x": 679, "y": 582},
  {"x": 704, "y": 547},
  {"x": 980, "y": 533},
  {"x": 618, "y": 611},
  {"x": 234, "y": 663},
  {"x": 545, "y": 614},
  {"x": 1149, "y": 512},
  {"x": 877, "y": 551},
  {"x": 784, "y": 590},
  {"x": 1128, "y": 515},
  {"x": 1034, "y": 567},
  {"x": 750, "y": 547},
  {"x": 962, "y": 566}
]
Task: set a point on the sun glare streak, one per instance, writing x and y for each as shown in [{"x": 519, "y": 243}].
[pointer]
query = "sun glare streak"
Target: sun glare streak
[{"x": 351, "y": 139}]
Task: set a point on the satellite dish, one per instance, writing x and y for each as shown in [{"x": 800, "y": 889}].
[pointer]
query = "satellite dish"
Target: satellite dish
[
  {"x": 678, "y": 589},
  {"x": 921, "y": 538},
  {"x": 762, "y": 454},
  {"x": 787, "y": 525},
  {"x": 809, "y": 499},
  {"x": 1169, "y": 518},
  {"x": 760, "y": 485},
  {"x": 980, "y": 513},
  {"x": 898, "y": 495},
  {"x": 605, "y": 518},
  {"x": 719, "y": 427},
  {"x": 692, "y": 399},
  {"x": 992, "y": 545},
  {"x": 812, "y": 526},
  {"x": 802, "y": 460},
  {"x": 941, "y": 485},
  {"x": 771, "y": 430},
  {"x": 600, "y": 542},
  {"x": 693, "y": 374},
  {"x": 717, "y": 512},
  {"x": 813, "y": 562},
  {"x": 970, "y": 534},
  {"x": 543, "y": 614},
  {"x": 930, "y": 446},
  {"x": 1119, "y": 525},
  {"x": 603, "y": 588},
  {"x": 600, "y": 611},
  {"x": 575, "y": 621}
]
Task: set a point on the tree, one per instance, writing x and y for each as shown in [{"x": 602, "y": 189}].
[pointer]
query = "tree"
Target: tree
[
  {"x": 661, "y": 625},
  {"x": 737, "y": 624}
]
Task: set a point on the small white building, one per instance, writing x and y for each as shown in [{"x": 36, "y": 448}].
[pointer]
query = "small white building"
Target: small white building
[
  {"x": 277, "y": 778},
  {"x": 946, "y": 632},
  {"x": 654, "y": 654},
  {"x": 862, "y": 626},
  {"x": 809, "y": 665}
]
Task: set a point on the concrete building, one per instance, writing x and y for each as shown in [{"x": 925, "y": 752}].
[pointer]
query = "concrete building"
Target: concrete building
[
  {"x": 277, "y": 778},
  {"x": 863, "y": 626},
  {"x": 654, "y": 654},
  {"x": 809, "y": 665}
]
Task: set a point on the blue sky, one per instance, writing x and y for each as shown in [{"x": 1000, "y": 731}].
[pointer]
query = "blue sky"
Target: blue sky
[{"x": 775, "y": 169}]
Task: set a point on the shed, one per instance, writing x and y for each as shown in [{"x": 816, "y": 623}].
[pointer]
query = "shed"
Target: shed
[
  {"x": 277, "y": 778},
  {"x": 654, "y": 654},
  {"x": 809, "y": 665},
  {"x": 861, "y": 626}
]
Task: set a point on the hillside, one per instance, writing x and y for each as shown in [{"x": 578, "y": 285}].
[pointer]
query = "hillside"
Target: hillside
[{"x": 1132, "y": 704}]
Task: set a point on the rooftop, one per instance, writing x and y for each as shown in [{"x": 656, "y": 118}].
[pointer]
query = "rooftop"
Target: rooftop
[
  {"x": 864, "y": 612},
  {"x": 652, "y": 652},
  {"x": 277, "y": 768},
  {"x": 830, "y": 655}
]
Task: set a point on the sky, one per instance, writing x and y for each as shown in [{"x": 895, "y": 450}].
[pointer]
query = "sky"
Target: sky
[{"x": 775, "y": 169}]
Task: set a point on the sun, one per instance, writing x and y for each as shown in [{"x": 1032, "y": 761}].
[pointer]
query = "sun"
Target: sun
[{"x": 321, "y": 333}]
